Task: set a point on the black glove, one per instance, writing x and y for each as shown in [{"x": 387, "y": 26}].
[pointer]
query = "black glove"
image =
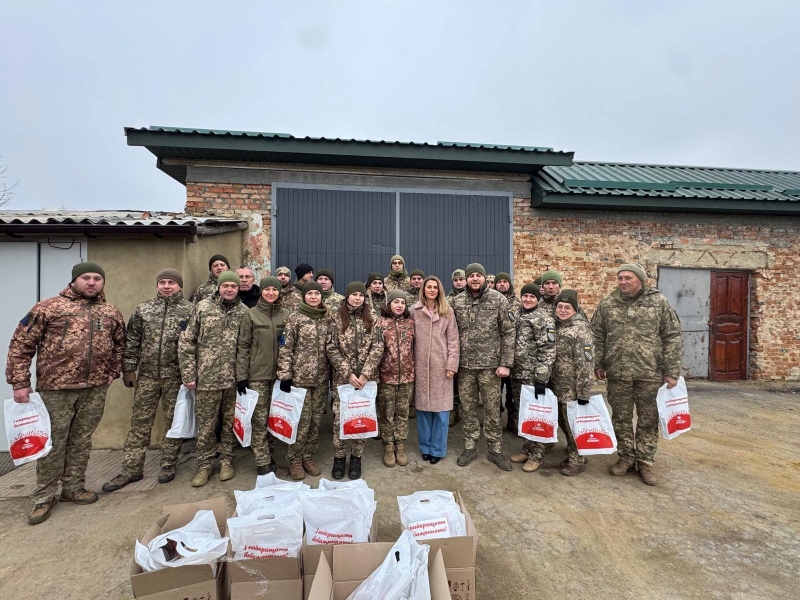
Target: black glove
[
  {"x": 539, "y": 388},
  {"x": 286, "y": 386},
  {"x": 241, "y": 387},
  {"x": 583, "y": 402}
]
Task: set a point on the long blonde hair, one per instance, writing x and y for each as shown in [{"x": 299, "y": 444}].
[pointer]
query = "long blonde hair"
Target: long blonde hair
[{"x": 442, "y": 305}]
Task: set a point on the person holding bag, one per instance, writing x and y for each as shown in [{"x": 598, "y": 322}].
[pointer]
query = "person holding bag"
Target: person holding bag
[
  {"x": 355, "y": 349},
  {"x": 396, "y": 386},
  {"x": 303, "y": 362},
  {"x": 436, "y": 356}
]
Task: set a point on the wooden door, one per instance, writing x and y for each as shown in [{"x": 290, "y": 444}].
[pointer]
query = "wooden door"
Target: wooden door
[{"x": 729, "y": 322}]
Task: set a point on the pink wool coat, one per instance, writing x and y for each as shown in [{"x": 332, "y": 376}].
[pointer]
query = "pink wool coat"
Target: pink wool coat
[{"x": 435, "y": 352}]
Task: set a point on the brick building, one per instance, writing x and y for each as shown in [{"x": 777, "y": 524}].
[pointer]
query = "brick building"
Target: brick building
[{"x": 722, "y": 244}]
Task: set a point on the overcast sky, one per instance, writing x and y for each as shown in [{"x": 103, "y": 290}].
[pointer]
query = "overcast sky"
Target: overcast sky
[{"x": 705, "y": 83}]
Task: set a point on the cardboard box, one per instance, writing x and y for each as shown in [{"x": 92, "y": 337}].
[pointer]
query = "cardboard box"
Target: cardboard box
[
  {"x": 195, "y": 581},
  {"x": 353, "y": 563}
]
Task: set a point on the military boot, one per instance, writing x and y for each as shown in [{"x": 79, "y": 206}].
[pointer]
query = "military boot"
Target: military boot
[
  {"x": 388, "y": 455},
  {"x": 531, "y": 465},
  {"x": 646, "y": 474},
  {"x": 296, "y": 471},
  {"x": 41, "y": 512},
  {"x": 167, "y": 474},
  {"x": 337, "y": 472},
  {"x": 400, "y": 455},
  {"x": 500, "y": 460},
  {"x": 354, "y": 472},
  {"x": 311, "y": 467},
  {"x": 202, "y": 476},
  {"x": 467, "y": 456},
  {"x": 226, "y": 471},
  {"x": 82, "y": 496},
  {"x": 267, "y": 469},
  {"x": 619, "y": 468},
  {"x": 521, "y": 457},
  {"x": 573, "y": 468},
  {"x": 120, "y": 481}
]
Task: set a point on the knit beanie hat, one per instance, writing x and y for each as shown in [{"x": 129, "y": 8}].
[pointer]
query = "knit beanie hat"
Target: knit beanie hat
[
  {"x": 570, "y": 296},
  {"x": 538, "y": 280},
  {"x": 311, "y": 285},
  {"x": 458, "y": 273},
  {"x": 637, "y": 270},
  {"x": 398, "y": 257},
  {"x": 394, "y": 295},
  {"x": 283, "y": 271},
  {"x": 531, "y": 288},
  {"x": 302, "y": 269},
  {"x": 355, "y": 286},
  {"x": 217, "y": 257},
  {"x": 502, "y": 276},
  {"x": 228, "y": 277},
  {"x": 269, "y": 281},
  {"x": 372, "y": 277},
  {"x": 474, "y": 268},
  {"x": 326, "y": 273},
  {"x": 170, "y": 274},
  {"x": 551, "y": 275},
  {"x": 87, "y": 267},
  {"x": 416, "y": 272}
]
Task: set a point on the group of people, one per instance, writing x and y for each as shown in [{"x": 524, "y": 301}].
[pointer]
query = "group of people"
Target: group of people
[{"x": 436, "y": 357}]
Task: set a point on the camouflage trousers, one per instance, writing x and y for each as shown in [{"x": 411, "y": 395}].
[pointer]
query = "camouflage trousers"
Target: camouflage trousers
[
  {"x": 483, "y": 384},
  {"x": 339, "y": 445},
  {"x": 74, "y": 415},
  {"x": 261, "y": 441},
  {"x": 393, "y": 409},
  {"x": 207, "y": 409},
  {"x": 149, "y": 391},
  {"x": 307, "y": 442},
  {"x": 535, "y": 450},
  {"x": 623, "y": 396}
]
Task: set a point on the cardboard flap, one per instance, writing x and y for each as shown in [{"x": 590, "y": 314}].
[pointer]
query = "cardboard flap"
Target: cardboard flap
[
  {"x": 153, "y": 582},
  {"x": 355, "y": 562},
  {"x": 440, "y": 589},
  {"x": 471, "y": 531},
  {"x": 271, "y": 569},
  {"x": 179, "y": 515},
  {"x": 322, "y": 588}
]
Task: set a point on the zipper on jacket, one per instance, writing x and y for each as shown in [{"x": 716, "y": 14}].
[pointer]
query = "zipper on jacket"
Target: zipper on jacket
[
  {"x": 316, "y": 343},
  {"x": 399, "y": 362},
  {"x": 91, "y": 335},
  {"x": 161, "y": 339},
  {"x": 63, "y": 334},
  {"x": 357, "y": 345}
]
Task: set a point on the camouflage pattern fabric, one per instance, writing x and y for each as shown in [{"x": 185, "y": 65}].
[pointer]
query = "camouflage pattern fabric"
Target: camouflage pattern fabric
[
  {"x": 637, "y": 339},
  {"x": 149, "y": 392},
  {"x": 574, "y": 365},
  {"x": 261, "y": 441},
  {"x": 514, "y": 303},
  {"x": 452, "y": 295},
  {"x": 153, "y": 330},
  {"x": 377, "y": 302},
  {"x": 623, "y": 396},
  {"x": 294, "y": 297},
  {"x": 207, "y": 409},
  {"x": 261, "y": 335},
  {"x": 486, "y": 331},
  {"x": 79, "y": 343},
  {"x": 307, "y": 442},
  {"x": 393, "y": 404},
  {"x": 355, "y": 350},
  {"x": 412, "y": 296},
  {"x": 285, "y": 291},
  {"x": 205, "y": 290},
  {"x": 535, "y": 347},
  {"x": 303, "y": 357},
  {"x": 74, "y": 415},
  {"x": 401, "y": 281},
  {"x": 483, "y": 383},
  {"x": 340, "y": 445},
  {"x": 332, "y": 301},
  {"x": 548, "y": 305},
  {"x": 397, "y": 364},
  {"x": 572, "y": 447},
  {"x": 207, "y": 348}
]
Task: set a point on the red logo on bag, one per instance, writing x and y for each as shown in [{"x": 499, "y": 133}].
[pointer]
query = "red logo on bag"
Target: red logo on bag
[
  {"x": 679, "y": 422},
  {"x": 589, "y": 440},
  {"x": 538, "y": 428},
  {"x": 238, "y": 429},
  {"x": 360, "y": 425},
  {"x": 280, "y": 425},
  {"x": 28, "y": 446}
]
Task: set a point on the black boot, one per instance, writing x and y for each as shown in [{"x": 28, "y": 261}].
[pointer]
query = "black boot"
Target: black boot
[
  {"x": 354, "y": 472},
  {"x": 338, "y": 468}
]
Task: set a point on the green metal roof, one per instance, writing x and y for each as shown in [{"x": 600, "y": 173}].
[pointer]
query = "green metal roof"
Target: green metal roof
[
  {"x": 616, "y": 186},
  {"x": 253, "y": 146}
]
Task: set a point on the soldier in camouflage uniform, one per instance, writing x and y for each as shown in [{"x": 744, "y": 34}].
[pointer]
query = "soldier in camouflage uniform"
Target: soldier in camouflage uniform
[
  {"x": 637, "y": 338},
  {"x": 261, "y": 334},
  {"x": 304, "y": 273},
  {"x": 284, "y": 275},
  {"x": 504, "y": 285},
  {"x": 490, "y": 281},
  {"x": 534, "y": 353},
  {"x": 415, "y": 286},
  {"x": 398, "y": 278},
  {"x": 376, "y": 295},
  {"x": 79, "y": 339},
  {"x": 207, "y": 357},
  {"x": 216, "y": 265},
  {"x": 486, "y": 332},
  {"x": 330, "y": 297},
  {"x": 151, "y": 351},
  {"x": 355, "y": 349},
  {"x": 459, "y": 285},
  {"x": 550, "y": 284},
  {"x": 303, "y": 363}
]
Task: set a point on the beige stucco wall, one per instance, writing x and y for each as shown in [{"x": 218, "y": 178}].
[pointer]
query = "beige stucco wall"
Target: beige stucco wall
[{"x": 131, "y": 265}]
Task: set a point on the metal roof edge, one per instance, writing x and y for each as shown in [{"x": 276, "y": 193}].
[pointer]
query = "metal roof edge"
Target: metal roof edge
[{"x": 578, "y": 163}]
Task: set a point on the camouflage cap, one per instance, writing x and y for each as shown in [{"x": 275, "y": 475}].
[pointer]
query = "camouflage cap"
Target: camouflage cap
[
  {"x": 283, "y": 271},
  {"x": 458, "y": 274}
]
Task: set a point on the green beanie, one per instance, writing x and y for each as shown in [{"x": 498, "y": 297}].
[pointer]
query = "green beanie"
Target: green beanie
[
  {"x": 311, "y": 285},
  {"x": 170, "y": 274},
  {"x": 355, "y": 286},
  {"x": 324, "y": 273},
  {"x": 637, "y": 270},
  {"x": 570, "y": 296},
  {"x": 531, "y": 288},
  {"x": 551, "y": 275},
  {"x": 397, "y": 257},
  {"x": 372, "y": 277},
  {"x": 474, "y": 268},
  {"x": 87, "y": 267},
  {"x": 502, "y": 276},
  {"x": 458, "y": 274},
  {"x": 269, "y": 281},
  {"x": 217, "y": 257},
  {"x": 419, "y": 272},
  {"x": 228, "y": 277},
  {"x": 394, "y": 295}
]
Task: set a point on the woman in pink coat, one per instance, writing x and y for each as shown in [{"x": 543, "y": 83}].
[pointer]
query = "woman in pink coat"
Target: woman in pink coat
[{"x": 435, "y": 363}]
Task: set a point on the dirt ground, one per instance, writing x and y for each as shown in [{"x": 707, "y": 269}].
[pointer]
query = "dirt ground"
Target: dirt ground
[{"x": 724, "y": 523}]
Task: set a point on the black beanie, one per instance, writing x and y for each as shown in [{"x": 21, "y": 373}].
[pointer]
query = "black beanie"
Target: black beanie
[
  {"x": 324, "y": 273},
  {"x": 87, "y": 267},
  {"x": 354, "y": 286},
  {"x": 502, "y": 276},
  {"x": 217, "y": 257},
  {"x": 302, "y": 269},
  {"x": 570, "y": 296},
  {"x": 372, "y": 277},
  {"x": 531, "y": 288},
  {"x": 417, "y": 272},
  {"x": 311, "y": 285}
]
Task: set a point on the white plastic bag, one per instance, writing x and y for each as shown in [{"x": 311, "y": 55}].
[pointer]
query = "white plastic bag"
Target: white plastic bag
[
  {"x": 267, "y": 498},
  {"x": 356, "y": 484},
  {"x": 184, "y": 421},
  {"x": 591, "y": 427},
  {"x": 243, "y": 415},
  {"x": 268, "y": 533},
  {"x": 196, "y": 543},
  {"x": 538, "y": 416},
  {"x": 403, "y": 575},
  {"x": 27, "y": 429},
  {"x": 284, "y": 412},
  {"x": 341, "y": 516},
  {"x": 358, "y": 416},
  {"x": 673, "y": 410},
  {"x": 432, "y": 514}
]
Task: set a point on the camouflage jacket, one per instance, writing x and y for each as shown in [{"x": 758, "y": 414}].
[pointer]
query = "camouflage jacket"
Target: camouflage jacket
[
  {"x": 572, "y": 371},
  {"x": 377, "y": 302},
  {"x": 332, "y": 301},
  {"x": 79, "y": 343},
  {"x": 535, "y": 347},
  {"x": 514, "y": 303},
  {"x": 638, "y": 338},
  {"x": 294, "y": 297},
  {"x": 153, "y": 332},
  {"x": 355, "y": 350},
  {"x": 412, "y": 296},
  {"x": 485, "y": 329},
  {"x": 261, "y": 334},
  {"x": 397, "y": 364},
  {"x": 207, "y": 348},
  {"x": 454, "y": 293},
  {"x": 303, "y": 358},
  {"x": 205, "y": 290},
  {"x": 401, "y": 281},
  {"x": 285, "y": 291}
]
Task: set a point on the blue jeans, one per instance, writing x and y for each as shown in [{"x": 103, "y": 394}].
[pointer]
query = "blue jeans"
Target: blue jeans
[{"x": 432, "y": 428}]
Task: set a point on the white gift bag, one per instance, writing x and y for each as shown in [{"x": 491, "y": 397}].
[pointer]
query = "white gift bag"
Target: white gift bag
[
  {"x": 591, "y": 427},
  {"x": 432, "y": 514},
  {"x": 243, "y": 416},
  {"x": 538, "y": 416},
  {"x": 196, "y": 543},
  {"x": 342, "y": 516},
  {"x": 27, "y": 429},
  {"x": 267, "y": 498},
  {"x": 358, "y": 416},
  {"x": 184, "y": 421},
  {"x": 673, "y": 410},
  {"x": 284, "y": 412},
  {"x": 356, "y": 484},
  {"x": 275, "y": 532}
]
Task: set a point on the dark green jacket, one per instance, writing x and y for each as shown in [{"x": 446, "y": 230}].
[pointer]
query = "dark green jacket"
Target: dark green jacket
[{"x": 261, "y": 334}]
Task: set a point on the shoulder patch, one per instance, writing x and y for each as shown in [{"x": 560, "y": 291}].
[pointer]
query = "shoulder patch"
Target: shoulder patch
[
  {"x": 551, "y": 334},
  {"x": 184, "y": 323},
  {"x": 587, "y": 352},
  {"x": 512, "y": 315},
  {"x": 24, "y": 321}
]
